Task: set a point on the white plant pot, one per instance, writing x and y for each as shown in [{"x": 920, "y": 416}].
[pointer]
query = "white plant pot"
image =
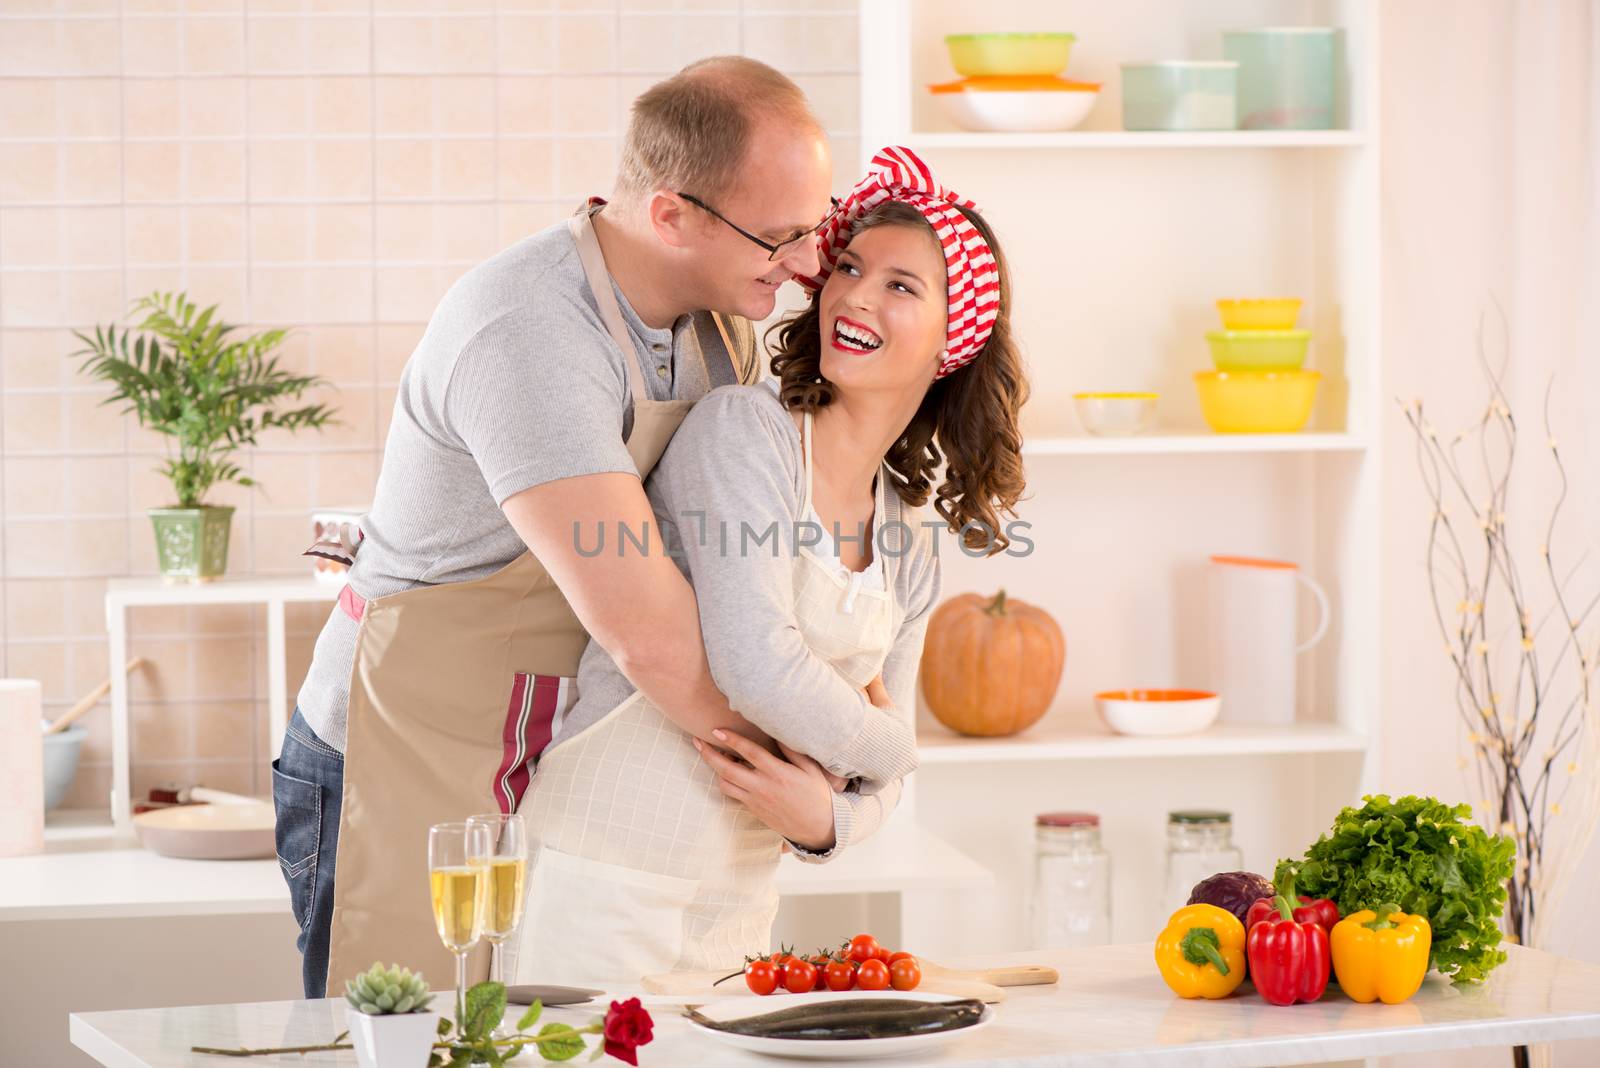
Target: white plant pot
[{"x": 392, "y": 1041}]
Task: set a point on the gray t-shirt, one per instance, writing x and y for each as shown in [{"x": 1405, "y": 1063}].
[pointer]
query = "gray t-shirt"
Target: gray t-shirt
[
  {"x": 515, "y": 383},
  {"x": 737, "y": 461}
]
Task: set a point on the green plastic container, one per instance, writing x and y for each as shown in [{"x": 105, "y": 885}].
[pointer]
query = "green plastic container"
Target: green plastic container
[
  {"x": 1286, "y": 76},
  {"x": 192, "y": 543},
  {"x": 1258, "y": 350},
  {"x": 1179, "y": 95},
  {"x": 979, "y": 55}
]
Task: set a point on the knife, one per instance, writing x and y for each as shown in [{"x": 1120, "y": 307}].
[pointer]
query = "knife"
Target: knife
[{"x": 550, "y": 995}]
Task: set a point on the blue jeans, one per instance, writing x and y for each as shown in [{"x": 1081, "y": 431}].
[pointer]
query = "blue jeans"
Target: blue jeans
[{"x": 307, "y": 790}]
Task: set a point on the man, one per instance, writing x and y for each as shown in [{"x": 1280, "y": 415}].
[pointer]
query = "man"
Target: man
[{"x": 514, "y": 428}]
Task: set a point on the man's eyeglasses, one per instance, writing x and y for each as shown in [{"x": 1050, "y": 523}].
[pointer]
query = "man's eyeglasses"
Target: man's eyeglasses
[{"x": 774, "y": 251}]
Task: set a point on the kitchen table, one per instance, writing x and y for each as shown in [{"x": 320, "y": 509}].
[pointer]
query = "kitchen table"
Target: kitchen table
[{"x": 1110, "y": 1008}]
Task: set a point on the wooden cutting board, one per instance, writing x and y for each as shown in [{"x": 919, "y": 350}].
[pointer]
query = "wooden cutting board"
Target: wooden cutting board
[{"x": 986, "y": 985}]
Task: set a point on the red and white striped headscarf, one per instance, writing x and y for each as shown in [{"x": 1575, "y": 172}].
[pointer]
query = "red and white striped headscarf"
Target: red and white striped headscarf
[{"x": 974, "y": 278}]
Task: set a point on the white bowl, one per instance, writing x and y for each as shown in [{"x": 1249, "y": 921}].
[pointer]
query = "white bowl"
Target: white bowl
[
  {"x": 1039, "y": 109},
  {"x": 209, "y": 832},
  {"x": 1115, "y": 414},
  {"x": 61, "y": 763},
  {"x": 1154, "y": 713}
]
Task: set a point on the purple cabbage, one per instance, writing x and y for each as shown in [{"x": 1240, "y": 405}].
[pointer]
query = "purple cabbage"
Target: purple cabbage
[{"x": 1234, "y": 891}]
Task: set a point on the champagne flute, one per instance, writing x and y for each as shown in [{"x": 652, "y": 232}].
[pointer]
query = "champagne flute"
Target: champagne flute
[
  {"x": 507, "y": 862},
  {"x": 460, "y": 892}
]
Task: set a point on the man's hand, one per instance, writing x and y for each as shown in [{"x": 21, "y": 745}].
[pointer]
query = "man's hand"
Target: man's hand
[
  {"x": 637, "y": 605},
  {"x": 790, "y": 794}
]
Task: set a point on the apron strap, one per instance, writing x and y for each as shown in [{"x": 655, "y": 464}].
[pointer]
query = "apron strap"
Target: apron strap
[
  {"x": 594, "y": 268},
  {"x": 805, "y": 449},
  {"x": 886, "y": 509},
  {"x": 719, "y": 372}
]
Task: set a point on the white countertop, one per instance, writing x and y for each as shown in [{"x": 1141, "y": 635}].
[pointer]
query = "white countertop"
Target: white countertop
[
  {"x": 88, "y": 873},
  {"x": 1111, "y": 1008}
]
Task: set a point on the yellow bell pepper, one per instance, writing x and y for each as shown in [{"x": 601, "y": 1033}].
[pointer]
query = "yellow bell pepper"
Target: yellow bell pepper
[
  {"x": 1381, "y": 955},
  {"x": 1201, "y": 953}
]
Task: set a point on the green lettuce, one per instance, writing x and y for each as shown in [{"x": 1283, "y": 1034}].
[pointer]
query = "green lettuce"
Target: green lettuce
[{"x": 1426, "y": 856}]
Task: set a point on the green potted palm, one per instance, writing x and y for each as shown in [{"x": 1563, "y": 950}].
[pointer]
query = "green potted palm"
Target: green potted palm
[{"x": 183, "y": 372}]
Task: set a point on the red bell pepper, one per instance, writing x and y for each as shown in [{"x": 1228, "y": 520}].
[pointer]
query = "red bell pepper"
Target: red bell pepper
[
  {"x": 1321, "y": 911},
  {"x": 1289, "y": 960}
]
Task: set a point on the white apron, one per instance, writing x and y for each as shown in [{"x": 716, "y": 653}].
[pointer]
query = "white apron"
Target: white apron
[{"x": 642, "y": 865}]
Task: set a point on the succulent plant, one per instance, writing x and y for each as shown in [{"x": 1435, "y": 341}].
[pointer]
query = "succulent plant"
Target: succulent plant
[{"x": 380, "y": 992}]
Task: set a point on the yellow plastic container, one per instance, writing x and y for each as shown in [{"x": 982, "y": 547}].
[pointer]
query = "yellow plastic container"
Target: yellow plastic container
[
  {"x": 1277, "y": 313},
  {"x": 1257, "y": 402},
  {"x": 983, "y": 54}
]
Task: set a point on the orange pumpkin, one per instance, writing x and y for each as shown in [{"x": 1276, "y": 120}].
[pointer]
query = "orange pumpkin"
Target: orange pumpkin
[{"x": 991, "y": 665}]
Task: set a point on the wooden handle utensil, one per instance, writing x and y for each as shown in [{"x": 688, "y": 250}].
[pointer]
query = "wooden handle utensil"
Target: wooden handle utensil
[{"x": 92, "y": 698}]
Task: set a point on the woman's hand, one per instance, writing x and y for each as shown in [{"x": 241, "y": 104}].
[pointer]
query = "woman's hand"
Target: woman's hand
[
  {"x": 877, "y": 694},
  {"x": 790, "y": 794}
]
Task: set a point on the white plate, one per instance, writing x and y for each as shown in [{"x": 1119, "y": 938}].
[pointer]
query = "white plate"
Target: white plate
[
  {"x": 209, "y": 832},
  {"x": 853, "y": 1049}
]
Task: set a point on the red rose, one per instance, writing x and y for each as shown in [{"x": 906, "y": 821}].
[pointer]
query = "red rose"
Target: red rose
[{"x": 628, "y": 1026}]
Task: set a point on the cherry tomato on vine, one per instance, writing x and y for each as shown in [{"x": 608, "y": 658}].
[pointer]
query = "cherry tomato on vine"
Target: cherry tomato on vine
[
  {"x": 761, "y": 976},
  {"x": 841, "y": 975},
  {"x": 863, "y": 947},
  {"x": 800, "y": 975},
  {"x": 905, "y": 973},
  {"x": 873, "y": 975}
]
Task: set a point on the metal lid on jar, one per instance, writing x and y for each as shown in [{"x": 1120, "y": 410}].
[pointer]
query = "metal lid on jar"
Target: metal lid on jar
[
  {"x": 1067, "y": 819},
  {"x": 1199, "y": 815}
]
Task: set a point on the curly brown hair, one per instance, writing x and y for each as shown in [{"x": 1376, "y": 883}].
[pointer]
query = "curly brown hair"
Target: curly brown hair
[{"x": 968, "y": 421}]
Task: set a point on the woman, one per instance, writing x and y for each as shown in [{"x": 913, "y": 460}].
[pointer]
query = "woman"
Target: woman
[{"x": 793, "y": 508}]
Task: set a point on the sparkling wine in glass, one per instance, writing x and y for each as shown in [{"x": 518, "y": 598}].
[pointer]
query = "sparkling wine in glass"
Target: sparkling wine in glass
[
  {"x": 506, "y": 864},
  {"x": 459, "y": 889}
]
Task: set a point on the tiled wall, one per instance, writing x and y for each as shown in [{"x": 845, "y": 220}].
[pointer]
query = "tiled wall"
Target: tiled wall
[{"x": 331, "y": 165}]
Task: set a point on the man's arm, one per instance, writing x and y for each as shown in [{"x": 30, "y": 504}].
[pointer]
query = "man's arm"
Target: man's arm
[
  {"x": 549, "y": 473},
  {"x": 636, "y": 604}
]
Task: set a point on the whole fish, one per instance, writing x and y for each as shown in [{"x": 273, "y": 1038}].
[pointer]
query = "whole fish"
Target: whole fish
[{"x": 860, "y": 1018}]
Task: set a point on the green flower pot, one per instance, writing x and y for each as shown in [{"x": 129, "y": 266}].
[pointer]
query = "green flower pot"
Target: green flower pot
[{"x": 192, "y": 543}]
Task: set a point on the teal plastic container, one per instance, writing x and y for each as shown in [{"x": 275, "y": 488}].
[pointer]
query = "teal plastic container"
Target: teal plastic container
[
  {"x": 1179, "y": 95},
  {"x": 1286, "y": 76}
]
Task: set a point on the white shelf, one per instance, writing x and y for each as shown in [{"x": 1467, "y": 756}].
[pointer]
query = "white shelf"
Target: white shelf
[
  {"x": 1180, "y": 442},
  {"x": 902, "y": 856},
  {"x": 936, "y": 745},
  {"x": 87, "y": 872},
  {"x": 1141, "y": 139},
  {"x": 91, "y": 876},
  {"x": 77, "y": 825},
  {"x": 274, "y": 594},
  {"x": 127, "y": 593}
]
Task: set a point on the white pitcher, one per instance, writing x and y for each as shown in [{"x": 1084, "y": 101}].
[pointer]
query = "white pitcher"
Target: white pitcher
[{"x": 1253, "y": 619}]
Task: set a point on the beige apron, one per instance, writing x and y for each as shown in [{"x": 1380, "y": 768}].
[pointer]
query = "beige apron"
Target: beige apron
[
  {"x": 456, "y": 689},
  {"x": 642, "y": 865}
]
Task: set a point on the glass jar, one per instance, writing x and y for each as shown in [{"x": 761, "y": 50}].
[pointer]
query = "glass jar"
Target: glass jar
[
  {"x": 1199, "y": 845},
  {"x": 1071, "y": 903}
]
